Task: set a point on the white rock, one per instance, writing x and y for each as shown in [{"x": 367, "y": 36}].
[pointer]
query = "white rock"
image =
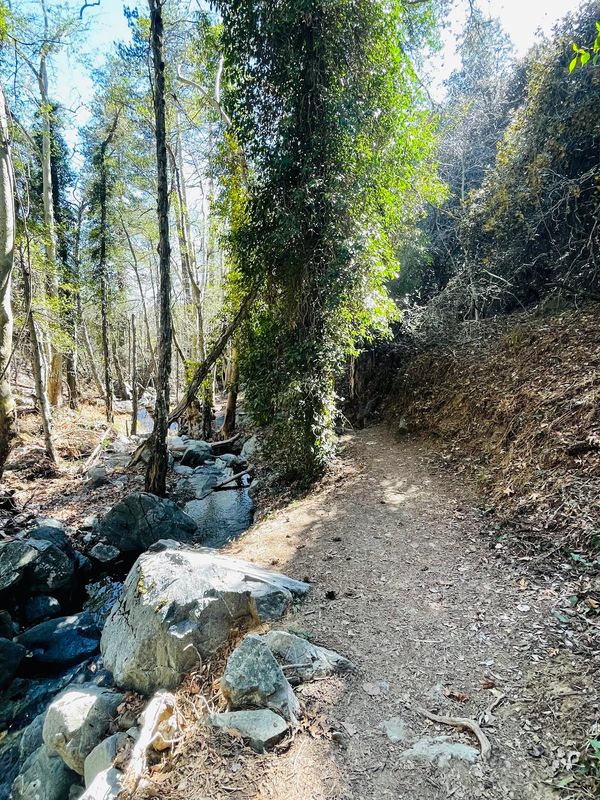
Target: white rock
[{"x": 77, "y": 720}]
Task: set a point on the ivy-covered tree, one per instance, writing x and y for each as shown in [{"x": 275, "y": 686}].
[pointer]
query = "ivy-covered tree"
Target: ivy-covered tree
[{"x": 326, "y": 108}]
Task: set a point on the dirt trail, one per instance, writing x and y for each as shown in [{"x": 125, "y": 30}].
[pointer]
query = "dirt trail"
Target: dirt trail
[{"x": 406, "y": 585}]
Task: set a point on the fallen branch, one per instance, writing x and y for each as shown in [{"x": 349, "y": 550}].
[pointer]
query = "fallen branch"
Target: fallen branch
[
  {"x": 465, "y": 723},
  {"x": 238, "y": 476},
  {"x": 222, "y": 446},
  {"x": 96, "y": 452},
  {"x": 200, "y": 374}
]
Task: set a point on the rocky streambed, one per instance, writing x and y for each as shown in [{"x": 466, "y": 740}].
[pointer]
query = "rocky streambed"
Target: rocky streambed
[{"x": 131, "y": 599}]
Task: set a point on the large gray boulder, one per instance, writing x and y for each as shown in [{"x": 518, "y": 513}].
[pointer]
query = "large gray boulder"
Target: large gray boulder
[
  {"x": 78, "y": 720},
  {"x": 261, "y": 728},
  {"x": 179, "y": 606},
  {"x": 44, "y": 776},
  {"x": 196, "y": 453},
  {"x": 11, "y": 655},
  {"x": 304, "y": 661},
  {"x": 63, "y": 641},
  {"x": 142, "y": 519},
  {"x": 254, "y": 678}
]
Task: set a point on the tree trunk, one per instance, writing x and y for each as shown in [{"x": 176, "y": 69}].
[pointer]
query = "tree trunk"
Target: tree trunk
[
  {"x": 156, "y": 475},
  {"x": 89, "y": 351},
  {"x": 228, "y": 428},
  {"x": 39, "y": 369},
  {"x": 55, "y": 373},
  {"x": 134, "y": 387},
  {"x": 74, "y": 315},
  {"x": 104, "y": 276},
  {"x": 7, "y": 252}
]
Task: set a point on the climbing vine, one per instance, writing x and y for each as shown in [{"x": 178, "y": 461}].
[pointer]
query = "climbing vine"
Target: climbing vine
[{"x": 326, "y": 107}]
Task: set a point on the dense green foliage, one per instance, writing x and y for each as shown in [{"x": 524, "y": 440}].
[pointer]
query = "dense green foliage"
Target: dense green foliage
[
  {"x": 535, "y": 220},
  {"x": 526, "y": 225},
  {"x": 326, "y": 109}
]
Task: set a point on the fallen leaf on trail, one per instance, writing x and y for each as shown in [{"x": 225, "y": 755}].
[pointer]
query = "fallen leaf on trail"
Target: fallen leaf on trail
[
  {"x": 523, "y": 585},
  {"x": 456, "y": 694},
  {"x": 524, "y": 608},
  {"x": 371, "y": 689},
  {"x": 488, "y": 683}
]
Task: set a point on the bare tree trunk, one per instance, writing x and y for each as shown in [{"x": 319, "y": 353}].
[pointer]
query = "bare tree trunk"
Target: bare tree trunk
[
  {"x": 74, "y": 315},
  {"x": 134, "y": 388},
  {"x": 89, "y": 350},
  {"x": 103, "y": 270},
  {"x": 203, "y": 370},
  {"x": 55, "y": 373},
  {"x": 142, "y": 294},
  {"x": 156, "y": 475},
  {"x": 7, "y": 252},
  {"x": 39, "y": 369}
]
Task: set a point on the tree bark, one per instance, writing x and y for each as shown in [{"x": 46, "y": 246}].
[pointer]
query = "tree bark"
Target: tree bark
[
  {"x": 134, "y": 388},
  {"x": 39, "y": 369},
  {"x": 228, "y": 428},
  {"x": 103, "y": 270},
  {"x": 156, "y": 474},
  {"x": 7, "y": 252},
  {"x": 55, "y": 372}
]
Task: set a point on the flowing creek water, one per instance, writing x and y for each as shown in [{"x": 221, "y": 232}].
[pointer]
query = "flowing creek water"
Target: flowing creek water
[{"x": 220, "y": 515}]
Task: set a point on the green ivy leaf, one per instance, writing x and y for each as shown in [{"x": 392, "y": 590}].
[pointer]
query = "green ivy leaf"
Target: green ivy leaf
[{"x": 573, "y": 64}]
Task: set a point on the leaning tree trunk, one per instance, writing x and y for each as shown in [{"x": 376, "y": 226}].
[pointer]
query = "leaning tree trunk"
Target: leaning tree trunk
[
  {"x": 156, "y": 475},
  {"x": 7, "y": 251}
]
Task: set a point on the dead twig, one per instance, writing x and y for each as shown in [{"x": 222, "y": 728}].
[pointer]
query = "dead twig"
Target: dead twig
[{"x": 465, "y": 723}]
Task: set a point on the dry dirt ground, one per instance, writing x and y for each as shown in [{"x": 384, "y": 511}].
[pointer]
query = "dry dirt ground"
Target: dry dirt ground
[{"x": 408, "y": 583}]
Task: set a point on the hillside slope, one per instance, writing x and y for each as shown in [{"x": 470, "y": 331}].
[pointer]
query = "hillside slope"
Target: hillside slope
[{"x": 515, "y": 402}]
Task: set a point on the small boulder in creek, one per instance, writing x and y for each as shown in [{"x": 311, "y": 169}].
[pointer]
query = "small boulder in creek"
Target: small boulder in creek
[
  {"x": 179, "y": 606},
  {"x": 40, "y": 607},
  {"x": 44, "y": 776},
  {"x": 78, "y": 720},
  {"x": 304, "y": 661},
  {"x": 62, "y": 642},
  {"x": 11, "y": 655},
  {"x": 261, "y": 728},
  {"x": 196, "y": 453},
  {"x": 142, "y": 519},
  {"x": 253, "y": 678},
  {"x": 15, "y": 556}
]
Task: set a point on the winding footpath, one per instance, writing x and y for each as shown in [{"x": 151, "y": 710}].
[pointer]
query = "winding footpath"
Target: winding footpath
[{"x": 408, "y": 583}]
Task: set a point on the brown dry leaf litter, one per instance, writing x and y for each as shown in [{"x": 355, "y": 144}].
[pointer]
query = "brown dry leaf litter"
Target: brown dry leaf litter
[{"x": 516, "y": 404}]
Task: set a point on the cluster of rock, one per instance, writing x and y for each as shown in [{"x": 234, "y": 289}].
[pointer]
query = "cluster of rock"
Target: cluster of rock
[{"x": 62, "y": 677}]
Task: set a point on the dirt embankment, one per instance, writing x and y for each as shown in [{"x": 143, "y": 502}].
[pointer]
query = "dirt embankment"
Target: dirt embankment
[{"x": 516, "y": 404}]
